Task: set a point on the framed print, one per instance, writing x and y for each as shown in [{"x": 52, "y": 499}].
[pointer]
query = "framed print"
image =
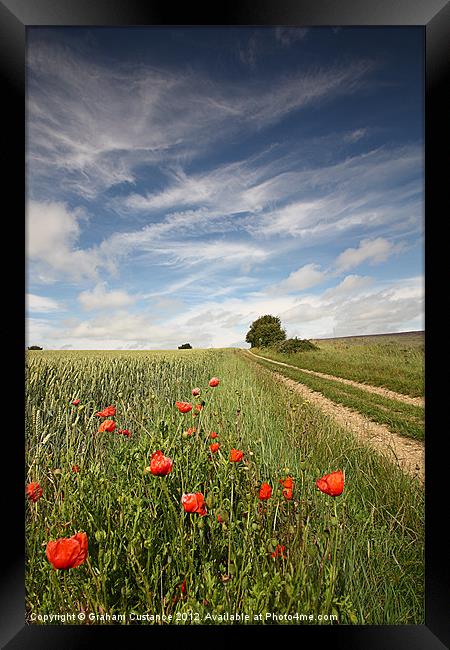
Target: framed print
[{"x": 229, "y": 251}]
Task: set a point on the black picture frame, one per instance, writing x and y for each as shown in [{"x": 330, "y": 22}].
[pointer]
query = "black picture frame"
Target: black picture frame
[{"x": 434, "y": 17}]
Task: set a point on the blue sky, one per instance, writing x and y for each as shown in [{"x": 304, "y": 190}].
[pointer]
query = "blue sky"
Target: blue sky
[{"x": 182, "y": 182}]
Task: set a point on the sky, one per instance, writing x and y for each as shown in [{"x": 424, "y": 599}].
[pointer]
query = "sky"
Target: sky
[{"x": 181, "y": 182}]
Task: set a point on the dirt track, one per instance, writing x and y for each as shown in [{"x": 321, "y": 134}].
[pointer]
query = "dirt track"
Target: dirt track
[
  {"x": 406, "y": 453},
  {"x": 384, "y": 392}
]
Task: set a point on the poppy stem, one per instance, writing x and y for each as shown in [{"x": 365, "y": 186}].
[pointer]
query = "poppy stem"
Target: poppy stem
[
  {"x": 275, "y": 517},
  {"x": 231, "y": 521}
]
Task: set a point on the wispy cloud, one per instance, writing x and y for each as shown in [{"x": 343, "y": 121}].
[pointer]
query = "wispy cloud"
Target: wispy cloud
[
  {"x": 248, "y": 52},
  {"x": 91, "y": 125},
  {"x": 102, "y": 299},
  {"x": 369, "y": 250},
  {"x": 42, "y": 304},
  {"x": 289, "y": 35}
]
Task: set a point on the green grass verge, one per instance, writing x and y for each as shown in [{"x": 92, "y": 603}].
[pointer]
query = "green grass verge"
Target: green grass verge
[{"x": 404, "y": 419}]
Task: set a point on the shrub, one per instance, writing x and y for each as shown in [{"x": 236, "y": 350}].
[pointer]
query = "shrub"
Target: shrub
[{"x": 295, "y": 345}]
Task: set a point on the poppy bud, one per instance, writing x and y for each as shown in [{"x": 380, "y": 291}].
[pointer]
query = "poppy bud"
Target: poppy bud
[{"x": 213, "y": 382}]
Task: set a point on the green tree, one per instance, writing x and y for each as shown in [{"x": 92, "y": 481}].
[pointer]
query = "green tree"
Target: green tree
[{"x": 264, "y": 331}]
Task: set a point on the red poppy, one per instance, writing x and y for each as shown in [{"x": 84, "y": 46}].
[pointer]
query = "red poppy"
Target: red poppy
[
  {"x": 75, "y": 469},
  {"x": 288, "y": 487},
  {"x": 265, "y": 492},
  {"x": 279, "y": 551},
  {"x": 213, "y": 435},
  {"x": 195, "y": 392},
  {"x": 68, "y": 552},
  {"x": 198, "y": 407},
  {"x": 219, "y": 519},
  {"x": 183, "y": 586},
  {"x": 287, "y": 493},
  {"x": 76, "y": 402},
  {"x": 332, "y": 484},
  {"x": 190, "y": 431},
  {"x": 124, "y": 432},
  {"x": 33, "y": 491},
  {"x": 107, "y": 425},
  {"x": 213, "y": 382},
  {"x": 108, "y": 412},
  {"x": 236, "y": 455},
  {"x": 194, "y": 503},
  {"x": 160, "y": 465},
  {"x": 183, "y": 407},
  {"x": 214, "y": 447}
]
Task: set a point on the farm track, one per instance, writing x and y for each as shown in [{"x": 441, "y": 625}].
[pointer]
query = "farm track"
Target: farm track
[
  {"x": 384, "y": 392},
  {"x": 407, "y": 454}
]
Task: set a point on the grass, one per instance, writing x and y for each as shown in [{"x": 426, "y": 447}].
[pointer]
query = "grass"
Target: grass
[
  {"x": 392, "y": 361},
  {"x": 401, "y": 418},
  {"x": 358, "y": 556}
]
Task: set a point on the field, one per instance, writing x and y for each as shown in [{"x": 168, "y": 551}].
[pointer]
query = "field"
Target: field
[
  {"x": 355, "y": 558},
  {"x": 394, "y": 361}
]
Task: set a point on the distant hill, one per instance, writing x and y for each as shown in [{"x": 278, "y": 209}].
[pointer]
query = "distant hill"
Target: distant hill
[{"x": 415, "y": 337}]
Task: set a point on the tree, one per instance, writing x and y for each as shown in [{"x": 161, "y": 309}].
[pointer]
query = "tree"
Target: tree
[
  {"x": 185, "y": 346},
  {"x": 264, "y": 331},
  {"x": 34, "y": 347}
]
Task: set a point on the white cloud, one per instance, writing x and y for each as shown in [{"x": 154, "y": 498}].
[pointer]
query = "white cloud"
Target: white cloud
[
  {"x": 369, "y": 250},
  {"x": 349, "y": 285},
  {"x": 100, "y": 298},
  {"x": 389, "y": 310},
  {"x": 305, "y": 277},
  {"x": 41, "y": 304},
  {"x": 52, "y": 233}
]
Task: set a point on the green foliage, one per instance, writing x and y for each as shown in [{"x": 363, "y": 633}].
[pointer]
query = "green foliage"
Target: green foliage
[
  {"x": 291, "y": 346},
  {"x": 265, "y": 331},
  {"x": 185, "y": 346}
]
